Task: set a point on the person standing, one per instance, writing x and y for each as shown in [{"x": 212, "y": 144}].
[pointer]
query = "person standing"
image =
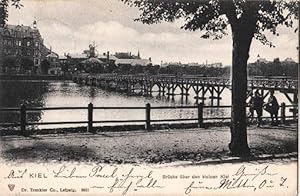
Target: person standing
[
  {"x": 273, "y": 106},
  {"x": 251, "y": 108},
  {"x": 258, "y": 102}
]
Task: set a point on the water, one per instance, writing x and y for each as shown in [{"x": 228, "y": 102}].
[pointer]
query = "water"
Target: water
[{"x": 69, "y": 94}]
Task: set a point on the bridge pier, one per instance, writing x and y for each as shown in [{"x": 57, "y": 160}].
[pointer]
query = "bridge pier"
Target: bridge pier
[
  {"x": 167, "y": 85},
  {"x": 93, "y": 82},
  {"x": 218, "y": 90},
  {"x": 106, "y": 85},
  {"x": 196, "y": 90},
  {"x": 184, "y": 90},
  {"x": 201, "y": 90},
  {"x": 129, "y": 88},
  {"x": 163, "y": 86},
  {"x": 79, "y": 80},
  {"x": 86, "y": 81},
  {"x": 102, "y": 84},
  {"x": 150, "y": 86},
  {"x": 118, "y": 86},
  {"x": 173, "y": 91},
  {"x": 146, "y": 90},
  {"x": 161, "y": 89}
]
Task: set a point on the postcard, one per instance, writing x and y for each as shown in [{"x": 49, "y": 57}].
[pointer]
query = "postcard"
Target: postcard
[{"x": 144, "y": 97}]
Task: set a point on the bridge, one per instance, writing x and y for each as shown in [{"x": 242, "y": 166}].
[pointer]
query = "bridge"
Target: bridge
[{"x": 203, "y": 87}]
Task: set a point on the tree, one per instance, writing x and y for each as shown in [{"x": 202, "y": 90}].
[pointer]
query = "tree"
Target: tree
[
  {"x": 4, "y": 9},
  {"x": 93, "y": 65},
  {"x": 110, "y": 67},
  {"x": 65, "y": 67},
  {"x": 125, "y": 68},
  {"x": 247, "y": 19}
]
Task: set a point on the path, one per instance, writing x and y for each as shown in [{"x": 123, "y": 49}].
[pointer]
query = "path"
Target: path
[{"x": 140, "y": 146}]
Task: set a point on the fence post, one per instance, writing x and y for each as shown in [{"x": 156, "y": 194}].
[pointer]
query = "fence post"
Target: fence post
[
  {"x": 200, "y": 115},
  {"x": 283, "y": 113},
  {"x": 23, "y": 120},
  {"x": 148, "y": 120},
  {"x": 90, "y": 118}
]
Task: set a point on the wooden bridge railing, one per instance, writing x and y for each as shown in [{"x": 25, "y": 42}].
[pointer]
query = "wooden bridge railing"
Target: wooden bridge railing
[
  {"x": 148, "y": 121},
  {"x": 266, "y": 82}
]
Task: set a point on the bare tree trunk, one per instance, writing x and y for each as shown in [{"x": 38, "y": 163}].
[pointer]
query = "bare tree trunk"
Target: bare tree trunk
[{"x": 240, "y": 54}]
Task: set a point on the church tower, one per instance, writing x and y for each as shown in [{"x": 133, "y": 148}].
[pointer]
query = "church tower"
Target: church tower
[{"x": 138, "y": 55}]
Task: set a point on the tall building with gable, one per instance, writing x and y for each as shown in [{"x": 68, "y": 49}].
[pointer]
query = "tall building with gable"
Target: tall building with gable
[{"x": 19, "y": 44}]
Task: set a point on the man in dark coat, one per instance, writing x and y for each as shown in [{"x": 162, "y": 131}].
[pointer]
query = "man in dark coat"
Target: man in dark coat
[
  {"x": 257, "y": 103},
  {"x": 273, "y": 107}
]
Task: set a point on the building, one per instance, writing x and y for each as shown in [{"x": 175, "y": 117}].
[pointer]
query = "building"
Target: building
[
  {"x": 76, "y": 58},
  {"x": 128, "y": 59},
  {"x": 132, "y": 62},
  {"x": 127, "y": 55},
  {"x": 289, "y": 60},
  {"x": 54, "y": 64},
  {"x": 63, "y": 59},
  {"x": 21, "y": 49},
  {"x": 106, "y": 57},
  {"x": 215, "y": 65}
]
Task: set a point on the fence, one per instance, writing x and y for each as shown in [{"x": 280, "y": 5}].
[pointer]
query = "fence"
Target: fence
[{"x": 148, "y": 122}]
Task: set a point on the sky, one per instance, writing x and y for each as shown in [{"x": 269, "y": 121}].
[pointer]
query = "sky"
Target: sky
[{"x": 69, "y": 26}]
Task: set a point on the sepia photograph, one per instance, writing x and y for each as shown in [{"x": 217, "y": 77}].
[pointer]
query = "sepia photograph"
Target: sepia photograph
[{"x": 149, "y": 97}]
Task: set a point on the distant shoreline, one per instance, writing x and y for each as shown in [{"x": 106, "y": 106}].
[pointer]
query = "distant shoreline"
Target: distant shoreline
[{"x": 32, "y": 77}]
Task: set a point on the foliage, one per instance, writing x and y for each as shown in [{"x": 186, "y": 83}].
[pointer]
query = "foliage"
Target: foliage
[
  {"x": 273, "y": 69},
  {"x": 4, "y": 9},
  {"x": 124, "y": 69},
  {"x": 65, "y": 67},
  {"x": 110, "y": 68},
  {"x": 93, "y": 67},
  {"x": 136, "y": 69},
  {"x": 214, "y": 16}
]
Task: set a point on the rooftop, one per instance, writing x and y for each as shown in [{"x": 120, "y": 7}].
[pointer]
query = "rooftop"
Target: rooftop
[
  {"x": 52, "y": 55},
  {"x": 112, "y": 57},
  {"x": 133, "y": 62},
  {"x": 20, "y": 30},
  {"x": 93, "y": 60},
  {"x": 78, "y": 56}
]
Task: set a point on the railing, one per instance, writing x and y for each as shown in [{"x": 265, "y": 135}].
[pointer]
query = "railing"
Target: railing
[
  {"x": 267, "y": 82},
  {"x": 148, "y": 121}
]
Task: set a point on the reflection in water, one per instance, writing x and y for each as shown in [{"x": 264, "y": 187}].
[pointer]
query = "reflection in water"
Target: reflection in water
[
  {"x": 69, "y": 94},
  {"x": 92, "y": 94},
  {"x": 15, "y": 93}
]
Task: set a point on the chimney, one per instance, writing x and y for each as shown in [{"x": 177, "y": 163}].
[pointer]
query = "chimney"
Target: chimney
[
  {"x": 34, "y": 24},
  {"x": 107, "y": 56}
]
